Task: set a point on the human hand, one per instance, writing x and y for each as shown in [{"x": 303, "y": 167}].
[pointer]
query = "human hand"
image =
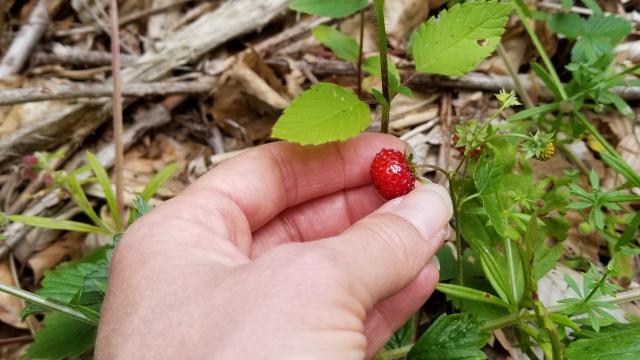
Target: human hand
[{"x": 285, "y": 252}]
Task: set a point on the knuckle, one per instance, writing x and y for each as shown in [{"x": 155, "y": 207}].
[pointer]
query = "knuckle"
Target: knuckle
[{"x": 394, "y": 235}]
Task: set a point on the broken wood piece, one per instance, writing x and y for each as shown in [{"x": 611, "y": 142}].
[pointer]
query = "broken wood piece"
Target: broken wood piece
[
  {"x": 191, "y": 42},
  {"x": 156, "y": 116},
  {"x": 28, "y": 36},
  {"x": 82, "y": 90}
]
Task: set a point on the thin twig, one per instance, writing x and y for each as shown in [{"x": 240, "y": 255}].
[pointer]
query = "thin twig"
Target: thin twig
[
  {"x": 360, "y": 54},
  {"x": 16, "y": 339},
  {"x": 18, "y": 53},
  {"x": 384, "y": 70},
  {"x": 80, "y": 90},
  {"x": 123, "y": 21},
  {"x": 117, "y": 108}
]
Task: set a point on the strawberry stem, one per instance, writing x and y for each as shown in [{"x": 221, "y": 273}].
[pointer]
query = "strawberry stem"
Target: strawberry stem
[{"x": 384, "y": 66}]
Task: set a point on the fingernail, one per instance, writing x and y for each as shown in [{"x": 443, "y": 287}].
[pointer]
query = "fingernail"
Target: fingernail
[
  {"x": 436, "y": 262},
  {"x": 428, "y": 207}
]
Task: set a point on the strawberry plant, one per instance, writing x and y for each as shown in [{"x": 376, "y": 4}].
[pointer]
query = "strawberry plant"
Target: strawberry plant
[
  {"x": 503, "y": 213},
  {"x": 510, "y": 221},
  {"x": 72, "y": 294}
]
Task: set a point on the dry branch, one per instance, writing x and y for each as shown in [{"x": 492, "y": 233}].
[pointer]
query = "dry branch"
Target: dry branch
[
  {"x": 470, "y": 81},
  {"x": 83, "y": 90},
  {"x": 67, "y": 55},
  {"x": 29, "y": 34},
  {"x": 231, "y": 19},
  {"x": 156, "y": 116},
  {"x": 123, "y": 20}
]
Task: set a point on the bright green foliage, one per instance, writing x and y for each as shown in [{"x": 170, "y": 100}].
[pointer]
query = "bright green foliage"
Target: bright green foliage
[
  {"x": 157, "y": 181},
  {"x": 487, "y": 176},
  {"x": 451, "y": 337},
  {"x": 56, "y": 224},
  {"x": 345, "y": 47},
  {"x": 537, "y": 144},
  {"x": 80, "y": 283},
  {"x": 615, "y": 342},
  {"x": 598, "y": 200},
  {"x": 594, "y": 287},
  {"x": 324, "y": 113},
  {"x": 328, "y": 8},
  {"x": 596, "y": 36},
  {"x": 62, "y": 337},
  {"x": 456, "y": 41},
  {"x": 403, "y": 336}
]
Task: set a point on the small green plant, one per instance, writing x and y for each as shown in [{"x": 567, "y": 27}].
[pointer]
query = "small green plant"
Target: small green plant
[
  {"x": 503, "y": 213},
  {"x": 71, "y": 295}
]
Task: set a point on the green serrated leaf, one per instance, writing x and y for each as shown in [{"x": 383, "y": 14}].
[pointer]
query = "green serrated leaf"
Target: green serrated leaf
[
  {"x": 345, "y": 47},
  {"x": 403, "y": 336},
  {"x": 487, "y": 176},
  {"x": 62, "y": 337},
  {"x": 326, "y": 112},
  {"x": 459, "y": 38},
  {"x": 76, "y": 283},
  {"x": 602, "y": 33},
  {"x": 451, "y": 337},
  {"x": 570, "y": 25},
  {"x": 328, "y": 8}
]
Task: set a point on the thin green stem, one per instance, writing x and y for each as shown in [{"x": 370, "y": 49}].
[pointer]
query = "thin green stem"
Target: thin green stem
[
  {"x": 545, "y": 323},
  {"x": 595, "y": 289},
  {"x": 508, "y": 249},
  {"x": 398, "y": 353},
  {"x": 524, "y": 95},
  {"x": 360, "y": 55},
  {"x": 384, "y": 66},
  {"x": 520, "y": 6},
  {"x": 33, "y": 298},
  {"x": 596, "y": 134}
]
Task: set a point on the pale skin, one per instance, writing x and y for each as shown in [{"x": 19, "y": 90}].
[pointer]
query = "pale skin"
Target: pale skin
[{"x": 285, "y": 252}]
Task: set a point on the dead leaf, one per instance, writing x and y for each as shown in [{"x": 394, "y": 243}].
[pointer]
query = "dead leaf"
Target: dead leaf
[
  {"x": 10, "y": 306},
  {"x": 67, "y": 248}
]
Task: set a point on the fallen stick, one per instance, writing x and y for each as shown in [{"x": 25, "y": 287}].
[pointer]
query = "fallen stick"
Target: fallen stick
[
  {"x": 29, "y": 34},
  {"x": 124, "y": 20},
  {"x": 156, "y": 116},
  {"x": 82, "y": 90},
  {"x": 470, "y": 81},
  {"x": 72, "y": 56},
  {"x": 189, "y": 43}
]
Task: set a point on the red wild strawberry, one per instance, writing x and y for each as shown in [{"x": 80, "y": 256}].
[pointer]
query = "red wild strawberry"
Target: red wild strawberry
[
  {"x": 462, "y": 149},
  {"x": 391, "y": 174}
]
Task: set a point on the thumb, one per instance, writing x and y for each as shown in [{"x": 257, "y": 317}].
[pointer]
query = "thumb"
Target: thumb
[{"x": 387, "y": 249}]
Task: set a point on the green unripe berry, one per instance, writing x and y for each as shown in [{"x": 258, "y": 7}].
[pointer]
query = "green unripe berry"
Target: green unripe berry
[{"x": 586, "y": 228}]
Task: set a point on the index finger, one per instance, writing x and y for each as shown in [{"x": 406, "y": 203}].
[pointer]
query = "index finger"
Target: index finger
[{"x": 271, "y": 178}]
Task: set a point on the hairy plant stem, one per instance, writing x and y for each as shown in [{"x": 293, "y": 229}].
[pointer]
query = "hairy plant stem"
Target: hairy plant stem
[
  {"x": 524, "y": 95},
  {"x": 360, "y": 55},
  {"x": 36, "y": 299},
  {"x": 596, "y": 134},
  {"x": 520, "y": 6},
  {"x": 513, "y": 318},
  {"x": 544, "y": 322},
  {"x": 457, "y": 207},
  {"x": 593, "y": 291},
  {"x": 398, "y": 353},
  {"x": 117, "y": 108},
  {"x": 384, "y": 66},
  {"x": 512, "y": 269}
]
